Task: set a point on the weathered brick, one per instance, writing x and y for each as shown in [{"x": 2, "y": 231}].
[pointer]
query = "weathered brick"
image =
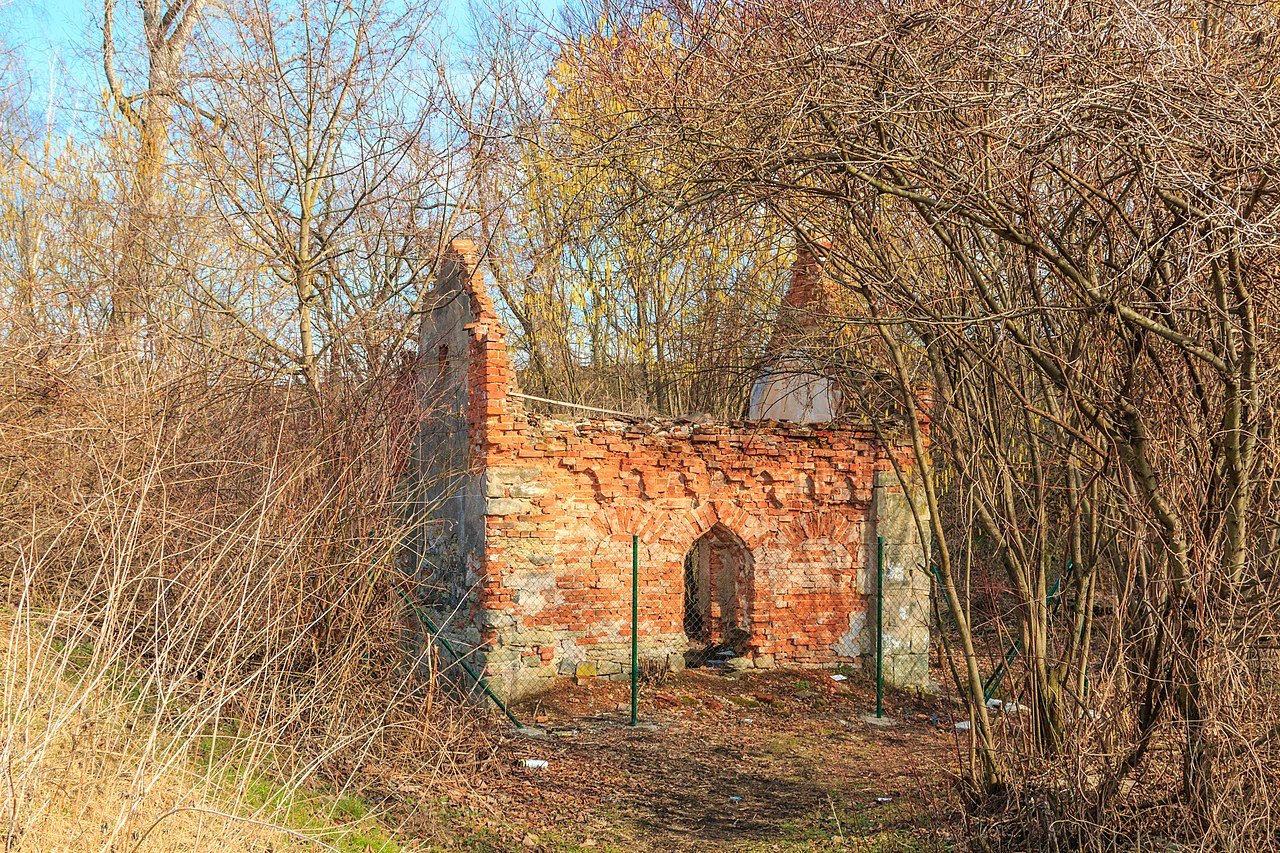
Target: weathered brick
[{"x": 792, "y": 504}]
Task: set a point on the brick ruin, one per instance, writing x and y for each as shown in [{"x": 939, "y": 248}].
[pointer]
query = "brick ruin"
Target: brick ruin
[{"x": 759, "y": 535}]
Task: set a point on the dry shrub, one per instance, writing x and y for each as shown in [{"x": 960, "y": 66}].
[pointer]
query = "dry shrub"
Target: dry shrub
[
  {"x": 1078, "y": 798},
  {"x": 201, "y": 602}
]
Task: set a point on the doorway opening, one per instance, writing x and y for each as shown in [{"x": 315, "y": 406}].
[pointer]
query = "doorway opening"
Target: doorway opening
[{"x": 717, "y": 597}]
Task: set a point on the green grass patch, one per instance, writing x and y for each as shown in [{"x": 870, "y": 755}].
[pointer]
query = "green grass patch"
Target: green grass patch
[
  {"x": 884, "y": 829},
  {"x": 343, "y": 821}
]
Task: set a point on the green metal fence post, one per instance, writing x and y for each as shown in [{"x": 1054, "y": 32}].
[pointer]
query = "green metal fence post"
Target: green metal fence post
[
  {"x": 1052, "y": 599},
  {"x": 635, "y": 620},
  {"x": 879, "y": 626}
]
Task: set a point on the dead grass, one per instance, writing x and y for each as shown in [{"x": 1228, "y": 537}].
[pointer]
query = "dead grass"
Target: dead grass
[
  {"x": 202, "y": 644},
  {"x": 82, "y": 772},
  {"x": 778, "y": 761},
  {"x": 203, "y": 649}
]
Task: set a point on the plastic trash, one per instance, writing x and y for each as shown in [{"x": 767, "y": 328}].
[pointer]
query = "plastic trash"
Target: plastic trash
[
  {"x": 735, "y": 799},
  {"x": 839, "y": 677},
  {"x": 535, "y": 763},
  {"x": 1001, "y": 707},
  {"x": 883, "y": 801},
  {"x": 963, "y": 726}
]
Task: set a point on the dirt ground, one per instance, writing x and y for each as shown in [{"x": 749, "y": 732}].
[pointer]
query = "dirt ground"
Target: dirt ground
[{"x": 721, "y": 761}]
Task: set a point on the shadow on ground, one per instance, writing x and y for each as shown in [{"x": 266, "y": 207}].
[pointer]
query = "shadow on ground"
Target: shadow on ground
[{"x": 762, "y": 761}]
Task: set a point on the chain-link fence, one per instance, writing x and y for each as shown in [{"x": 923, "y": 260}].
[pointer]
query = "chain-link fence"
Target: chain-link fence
[
  {"x": 902, "y": 630},
  {"x": 817, "y": 603},
  {"x": 621, "y": 608},
  {"x": 994, "y": 615}
]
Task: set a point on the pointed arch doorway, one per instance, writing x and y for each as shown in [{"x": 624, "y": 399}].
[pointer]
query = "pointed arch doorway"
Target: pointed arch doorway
[{"x": 717, "y": 594}]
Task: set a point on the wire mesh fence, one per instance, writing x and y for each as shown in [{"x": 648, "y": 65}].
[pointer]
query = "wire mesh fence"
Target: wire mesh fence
[
  {"x": 995, "y": 616},
  {"x": 863, "y": 610},
  {"x": 903, "y": 628},
  {"x": 630, "y": 612}
]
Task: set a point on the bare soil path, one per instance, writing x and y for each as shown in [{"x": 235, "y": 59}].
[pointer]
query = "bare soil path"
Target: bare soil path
[{"x": 755, "y": 761}]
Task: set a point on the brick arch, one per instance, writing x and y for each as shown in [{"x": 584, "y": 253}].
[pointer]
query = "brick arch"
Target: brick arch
[
  {"x": 607, "y": 535},
  {"x": 685, "y": 528},
  {"x": 821, "y": 574},
  {"x": 749, "y": 537},
  {"x": 606, "y": 566},
  {"x": 812, "y": 532},
  {"x": 829, "y": 525},
  {"x": 640, "y": 519}
]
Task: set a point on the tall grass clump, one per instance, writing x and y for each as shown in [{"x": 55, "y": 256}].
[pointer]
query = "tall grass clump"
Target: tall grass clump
[{"x": 200, "y": 626}]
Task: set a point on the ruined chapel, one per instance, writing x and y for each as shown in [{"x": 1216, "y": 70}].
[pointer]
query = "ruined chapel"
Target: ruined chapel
[{"x": 756, "y": 535}]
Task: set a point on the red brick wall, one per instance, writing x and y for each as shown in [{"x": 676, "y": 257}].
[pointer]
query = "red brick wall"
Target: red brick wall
[{"x": 564, "y": 498}]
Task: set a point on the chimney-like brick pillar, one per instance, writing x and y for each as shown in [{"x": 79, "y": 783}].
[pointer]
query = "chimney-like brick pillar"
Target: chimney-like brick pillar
[{"x": 493, "y": 414}]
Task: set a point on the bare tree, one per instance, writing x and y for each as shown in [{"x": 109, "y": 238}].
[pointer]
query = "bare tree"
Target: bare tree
[
  {"x": 321, "y": 167},
  {"x": 1063, "y": 219},
  {"x": 166, "y": 32},
  {"x": 614, "y": 300}
]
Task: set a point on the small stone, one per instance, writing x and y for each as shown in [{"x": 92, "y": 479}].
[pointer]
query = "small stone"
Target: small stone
[
  {"x": 530, "y": 840},
  {"x": 739, "y": 664}
]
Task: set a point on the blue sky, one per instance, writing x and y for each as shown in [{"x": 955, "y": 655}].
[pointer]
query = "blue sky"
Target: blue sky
[
  {"x": 59, "y": 47},
  {"x": 45, "y": 26},
  {"x": 52, "y": 38}
]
